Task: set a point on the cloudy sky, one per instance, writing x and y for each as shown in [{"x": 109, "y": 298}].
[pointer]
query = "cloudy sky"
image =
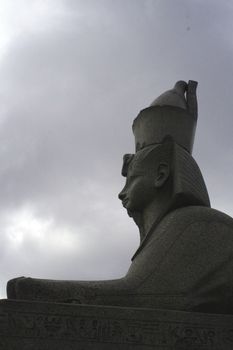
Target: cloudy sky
[{"x": 73, "y": 76}]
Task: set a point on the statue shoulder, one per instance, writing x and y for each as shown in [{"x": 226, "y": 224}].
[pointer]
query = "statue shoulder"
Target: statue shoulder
[
  {"x": 193, "y": 224},
  {"x": 188, "y": 224},
  {"x": 186, "y": 216}
]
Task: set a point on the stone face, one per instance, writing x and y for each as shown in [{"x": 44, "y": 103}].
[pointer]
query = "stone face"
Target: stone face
[{"x": 51, "y": 326}]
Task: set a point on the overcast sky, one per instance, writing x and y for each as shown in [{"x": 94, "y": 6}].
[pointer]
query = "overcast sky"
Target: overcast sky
[{"x": 73, "y": 76}]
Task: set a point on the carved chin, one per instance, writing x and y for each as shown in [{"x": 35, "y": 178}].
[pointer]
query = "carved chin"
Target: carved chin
[
  {"x": 130, "y": 213},
  {"x": 135, "y": 215}
]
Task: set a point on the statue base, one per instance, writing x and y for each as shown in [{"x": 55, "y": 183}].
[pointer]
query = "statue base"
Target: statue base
[{"x": 46, "y": 326}]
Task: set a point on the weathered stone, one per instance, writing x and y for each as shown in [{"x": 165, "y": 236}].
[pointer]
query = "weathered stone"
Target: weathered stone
[
  {"x": 51, "y": 326},
  {"x": 184, "y": 261}
]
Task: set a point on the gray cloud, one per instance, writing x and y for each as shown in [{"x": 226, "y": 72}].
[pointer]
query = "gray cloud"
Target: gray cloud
[{"x": 71, "y": 83}]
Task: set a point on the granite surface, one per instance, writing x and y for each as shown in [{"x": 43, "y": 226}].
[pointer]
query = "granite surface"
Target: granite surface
[
  {"x": 177, "y": 294},
  {"x": 50, "y": 326}
]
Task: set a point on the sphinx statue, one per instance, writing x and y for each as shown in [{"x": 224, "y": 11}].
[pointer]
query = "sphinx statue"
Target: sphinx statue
[{"x": 185, "y": 257}]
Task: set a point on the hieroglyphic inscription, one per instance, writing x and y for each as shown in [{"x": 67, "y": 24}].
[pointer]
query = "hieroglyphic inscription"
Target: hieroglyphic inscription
[
  {"x": 121, "y": 331},
  {"x": 200, "y": 337},
  {"x": 157, "y": 332}
]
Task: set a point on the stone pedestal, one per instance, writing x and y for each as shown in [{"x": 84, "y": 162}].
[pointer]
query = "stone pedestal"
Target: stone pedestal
[{"x": 48, "y": 326}]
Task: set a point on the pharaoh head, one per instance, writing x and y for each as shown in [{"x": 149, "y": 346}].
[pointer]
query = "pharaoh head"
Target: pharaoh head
[{"x": 162, "y": 170}]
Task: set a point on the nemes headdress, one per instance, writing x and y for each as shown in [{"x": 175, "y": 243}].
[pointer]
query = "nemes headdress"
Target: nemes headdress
[{"x": 173, "y": 113}]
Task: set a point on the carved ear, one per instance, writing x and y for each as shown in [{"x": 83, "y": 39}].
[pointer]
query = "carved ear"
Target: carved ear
[{"x": 162, "y": 174}]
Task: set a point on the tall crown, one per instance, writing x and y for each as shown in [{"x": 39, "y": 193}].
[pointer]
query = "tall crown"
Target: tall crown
[{"x": 174, "y": 113}]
